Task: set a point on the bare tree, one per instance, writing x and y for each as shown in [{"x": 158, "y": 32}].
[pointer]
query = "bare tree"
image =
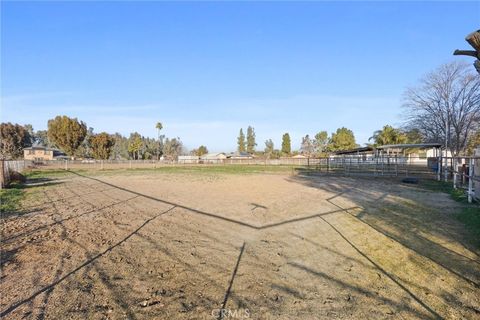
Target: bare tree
[
  {"x": 172, "y": 148},
  {"x": 445, "y": 106},
  {"x": 307, "y": 147},
  {"x": 269, "y": 148}
]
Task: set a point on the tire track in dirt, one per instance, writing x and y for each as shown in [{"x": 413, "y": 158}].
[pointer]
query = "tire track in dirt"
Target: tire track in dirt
[{"x": 86, "y": 263}]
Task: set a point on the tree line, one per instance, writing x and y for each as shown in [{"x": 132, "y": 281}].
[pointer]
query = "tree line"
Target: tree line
[
  {"x": 443, "y": 108},
  {"x": 76, "y": 140},
  {"x": 342, "y": 139}
]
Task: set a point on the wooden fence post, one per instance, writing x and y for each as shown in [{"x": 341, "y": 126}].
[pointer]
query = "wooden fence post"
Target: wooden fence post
[
  {"x": 470, "y": 180},
  {"x": 2, "y": 174}
]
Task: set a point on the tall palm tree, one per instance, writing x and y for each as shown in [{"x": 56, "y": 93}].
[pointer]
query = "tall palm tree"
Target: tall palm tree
[
  {"x": 159, "y": 127},
  {"x": 388, "y": 135}
]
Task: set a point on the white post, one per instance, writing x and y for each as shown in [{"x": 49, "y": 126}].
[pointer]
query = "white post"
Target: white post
[
  {"x": 101, "y": 166},
  {"x": 445, "y": 172},
  {"x": 470, "y": 180},
  {"x": 66, "y": 164},
  {"x": 383, "y": 164},
  {"x": 455, "y": 169},
  {"x": 396, "y": 165}
]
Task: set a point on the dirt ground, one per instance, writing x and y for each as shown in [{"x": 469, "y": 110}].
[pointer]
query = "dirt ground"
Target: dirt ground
[{"x": 259, "y": 246}]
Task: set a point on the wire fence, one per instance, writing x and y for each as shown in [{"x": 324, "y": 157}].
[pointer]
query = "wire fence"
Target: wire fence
[{"x": 462, "y": 172}]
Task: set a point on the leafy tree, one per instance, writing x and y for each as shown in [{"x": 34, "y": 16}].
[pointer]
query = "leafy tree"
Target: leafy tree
[
  {"x": 251, "y": 140},
  {"x": 135, "y": 147},
  {"x": 321, "y": 142},
  {"x": 241, "y": 141},
  {"x": 388, "y": 135},
  {"x": 286, "y": 145},
  {"x": 307, "y": 146},
  {"x": 41, "y": 137},
  {"x": 199, "y": 152},
  {"x": 85, "y": 150},
  {"x": 31, "y": 133},
  {"x": 149, "y": 148},
  {"x": 473, "y": 143},
  {"x": 269, "y": 148},
  {"x": 135, "y": 144},
  {"x": 414, "y": 136},
  {"x": 202, "y": 150},
  {"x": 173, "y": 148},
  {"x": 276, "y": 154},
  {"x": 159, "y": 127},
  {"x": 66, "y": 133},
  {"x": 120, "y": 147},
  {"x": 13, "y": 138},
  {"x": 342, "y": 139},
  {"x": 101, "y": 145}
]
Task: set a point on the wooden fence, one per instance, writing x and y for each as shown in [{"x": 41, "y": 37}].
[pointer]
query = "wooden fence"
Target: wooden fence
[{"x": 8, "y": 167}]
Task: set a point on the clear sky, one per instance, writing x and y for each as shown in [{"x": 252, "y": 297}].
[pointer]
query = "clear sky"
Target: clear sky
[{"x": 207, "y": 69}]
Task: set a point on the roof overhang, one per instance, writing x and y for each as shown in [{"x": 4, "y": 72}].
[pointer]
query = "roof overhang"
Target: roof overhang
[
  {"x": 356, "y": 150},
  {"x": 410, "y": 146}
]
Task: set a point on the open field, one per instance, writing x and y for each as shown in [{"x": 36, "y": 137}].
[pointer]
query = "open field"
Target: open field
[{"x": 258, "y": 243}]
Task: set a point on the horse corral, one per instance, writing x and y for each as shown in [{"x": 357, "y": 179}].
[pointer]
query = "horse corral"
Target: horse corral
[{"x": 206, "y": 245}]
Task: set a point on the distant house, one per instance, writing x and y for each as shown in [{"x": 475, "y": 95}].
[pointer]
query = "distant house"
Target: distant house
[
  {"x": 239, "y": 155},
  {"x": 213, "y": 158},
  {"x": 299, "y": 156},
  {"x": 188, "y": 159},
  {"x": 39, "y": 153}
]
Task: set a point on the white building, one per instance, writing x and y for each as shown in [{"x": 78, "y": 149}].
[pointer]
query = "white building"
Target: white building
[
  {"x": 188, "y": 159},
  {"x": 213, "y": 158}
]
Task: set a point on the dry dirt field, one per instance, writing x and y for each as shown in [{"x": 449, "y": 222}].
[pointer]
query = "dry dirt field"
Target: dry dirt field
[{"x": 258, "y": 246}]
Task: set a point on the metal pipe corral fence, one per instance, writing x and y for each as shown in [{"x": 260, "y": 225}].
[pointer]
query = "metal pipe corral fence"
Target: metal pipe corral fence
[{"x": 463, "y": 172}]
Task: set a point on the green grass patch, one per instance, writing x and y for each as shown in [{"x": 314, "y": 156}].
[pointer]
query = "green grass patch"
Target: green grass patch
[
  {"x": 446, "y": 187},
  {"x": 10, "y": 199},
  {"x": 470, "y": 216},
  {"x": 184, "y": 169},
  {"x": 47, "y": 173}
]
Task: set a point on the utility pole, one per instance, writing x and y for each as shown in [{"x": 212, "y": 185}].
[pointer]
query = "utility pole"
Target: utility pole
[{"x": 474, "y": 40}]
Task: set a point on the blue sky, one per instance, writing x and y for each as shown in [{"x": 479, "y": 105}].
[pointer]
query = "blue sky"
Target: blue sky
[{"x": 207, "y": 69}]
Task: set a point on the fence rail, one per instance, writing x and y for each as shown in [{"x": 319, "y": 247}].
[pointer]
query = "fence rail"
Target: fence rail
[
  {"x": 8, "y": 167},
  {"x": 459, "y": 170}
]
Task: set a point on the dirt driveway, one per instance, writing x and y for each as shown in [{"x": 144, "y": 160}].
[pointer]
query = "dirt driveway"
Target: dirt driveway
[{"x": 259, "y": 246}]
